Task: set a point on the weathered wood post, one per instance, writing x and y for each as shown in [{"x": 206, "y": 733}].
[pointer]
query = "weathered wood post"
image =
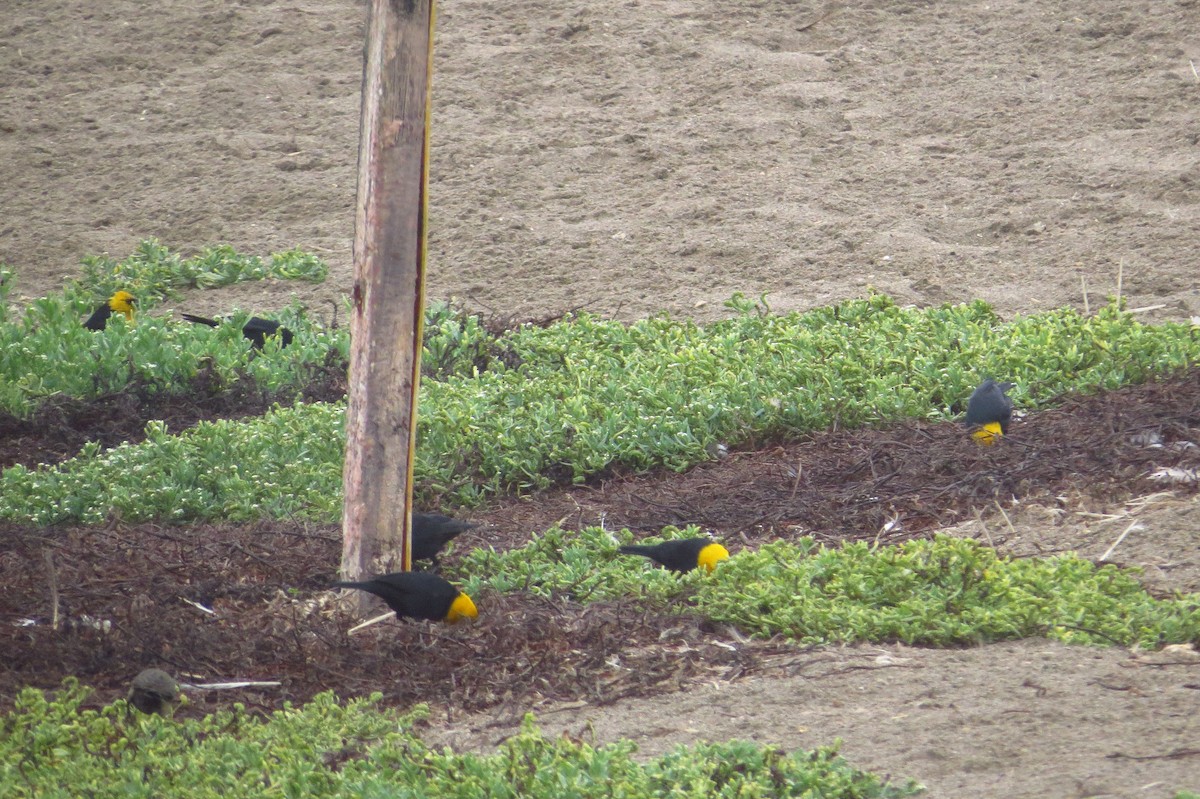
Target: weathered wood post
[{"x": 388, "y": 296}]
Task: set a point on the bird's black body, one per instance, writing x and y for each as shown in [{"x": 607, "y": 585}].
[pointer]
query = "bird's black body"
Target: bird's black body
[
  {"x": 681, "y": 555},
  {"x": 417, "y": 595},
  {"x": 153, "y": 691},
  {"x": 432, "y": 531},
  {"x": 99, "y": 318},
  {"x": 255, "y": 330},
  {"x": 990, "y": 405}
]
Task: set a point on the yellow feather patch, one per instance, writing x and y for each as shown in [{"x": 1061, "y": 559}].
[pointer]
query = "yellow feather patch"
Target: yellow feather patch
[
  {"x": 122, "y": 303},
  {"x": 711, "y": 555},
  {"x": 988, "y": 434},
  {"x": 461, "y": 608}
]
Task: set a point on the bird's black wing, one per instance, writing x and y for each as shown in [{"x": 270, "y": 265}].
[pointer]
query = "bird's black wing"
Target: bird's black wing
[
  {"x": 419, "y": 595},
  {"x": 99, "y": 318},
  {"x": 680, "y": 555},
  {"x": 989, "y": 404},
  {"x": 432, "y": 531},
  {"x": 257, "y": 329}
]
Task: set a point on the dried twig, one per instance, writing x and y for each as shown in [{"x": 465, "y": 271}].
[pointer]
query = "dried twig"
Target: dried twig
[
  {"x": 226, "y": 686},
  {"x": 1120, "y": 538},
  {"x": 828, "y": 11},
  {"x": 1172, "y": 755},
  {"x": 1007, "y": 520},
  {"x": 52, "y": 578},
  {"x": 364, "y": 625},
  {"x": 199, "y": 607},
  {"x": 796, "y": 485}
]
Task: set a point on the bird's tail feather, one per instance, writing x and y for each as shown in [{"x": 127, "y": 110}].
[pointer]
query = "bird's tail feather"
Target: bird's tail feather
[
  {"x": 635, "y": 549},
  {"x": 200, "y": 320}
]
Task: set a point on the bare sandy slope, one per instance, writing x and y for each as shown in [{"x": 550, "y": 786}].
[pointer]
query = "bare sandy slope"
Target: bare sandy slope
[
  {"x": 655, "y": 155},
  {"x": 1025, "y": 719},
  {"x": 660, "y": 155}
]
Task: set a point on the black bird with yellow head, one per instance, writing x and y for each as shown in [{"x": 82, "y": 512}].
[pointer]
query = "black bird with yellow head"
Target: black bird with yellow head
[
  {"x": 989, "y": 411},
  {"x": 681, "y": 555},
  {"x": 418, "y": 595},
  {"x": 121, "y": 302}
]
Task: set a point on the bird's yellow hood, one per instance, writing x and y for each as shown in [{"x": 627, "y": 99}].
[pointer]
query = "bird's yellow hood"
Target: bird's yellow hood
[
  {"x": 461, "y": 608},
  {"x": 711, "y": 555}
]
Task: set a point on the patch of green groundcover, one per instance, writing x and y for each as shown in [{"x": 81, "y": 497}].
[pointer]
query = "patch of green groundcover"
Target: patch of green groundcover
[
  {"x": 154, "y": 270},
  {"x": 53, "y": 748},
  {"x": 45, "y": 352},
  {"x": 284, "y": 463},
  {"x": 944, "y": 591},
  {"x": 567, "y": 401}
]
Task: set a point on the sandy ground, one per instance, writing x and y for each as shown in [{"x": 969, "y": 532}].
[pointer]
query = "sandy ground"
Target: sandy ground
[
  {"x": 1019, "y": 719},
  {"x": 660, "y": 155},
  {"x": 1006, "y": 720}
]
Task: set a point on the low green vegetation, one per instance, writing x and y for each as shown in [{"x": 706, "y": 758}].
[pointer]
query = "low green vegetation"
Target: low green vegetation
[
  {"x": 45, "y": 353},
  {"x": 53, "y": 748},
  {"x": 284, "y": 463},
  {"x": 941, "y": 592},
  {"x": 542, "y": 405},
  {"x": 517, "y": 412},
  {"x": 154, "y": 271},
  {"x": 48, "y": 354},
  {"x": 586, "y": 393}
]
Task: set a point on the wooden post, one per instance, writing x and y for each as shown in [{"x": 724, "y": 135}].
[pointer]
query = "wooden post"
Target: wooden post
[{"x": 388, "y": 296}]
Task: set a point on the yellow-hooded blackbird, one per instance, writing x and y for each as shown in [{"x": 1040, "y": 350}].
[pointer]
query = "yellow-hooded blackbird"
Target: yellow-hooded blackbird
[
  {"x": 988, "y": 411},
  {"x": 418, "y": 595},
  {"x": 121, "y": 302},
  {"x": 153, "y": 691},
  {"x": 432, "y": 531},
  {"x": 256, "y": 329},
  {"x": 683, "y": 554}
]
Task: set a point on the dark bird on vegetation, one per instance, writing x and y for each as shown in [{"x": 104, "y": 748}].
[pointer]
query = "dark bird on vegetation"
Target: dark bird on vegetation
[
  {"x": 432, "y": 531},
  {"x": 988, "y": 411},
  {"x": 121, "y": 302},
  {"x": 418, "y": 595},
  {"x": 256, "y": 329},
  {"x": 683, "y": 554},
  {"x": 153, "y": 691}
]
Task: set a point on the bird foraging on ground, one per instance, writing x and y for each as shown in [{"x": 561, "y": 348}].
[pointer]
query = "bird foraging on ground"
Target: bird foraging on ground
[
  {"x": 121, "y": 302},
  {"x": 681, "y": 555},
  {"x": 418, "y": 595},
  {"x": 256, "y": 329},
  {"x": 432, "y": 531},
  {"x": 988, "y": 411},
  {"x": 153, "y": 691}
]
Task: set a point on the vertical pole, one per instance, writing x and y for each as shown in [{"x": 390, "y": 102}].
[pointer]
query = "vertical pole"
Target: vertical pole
[{"x": 388, "y": 295}]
